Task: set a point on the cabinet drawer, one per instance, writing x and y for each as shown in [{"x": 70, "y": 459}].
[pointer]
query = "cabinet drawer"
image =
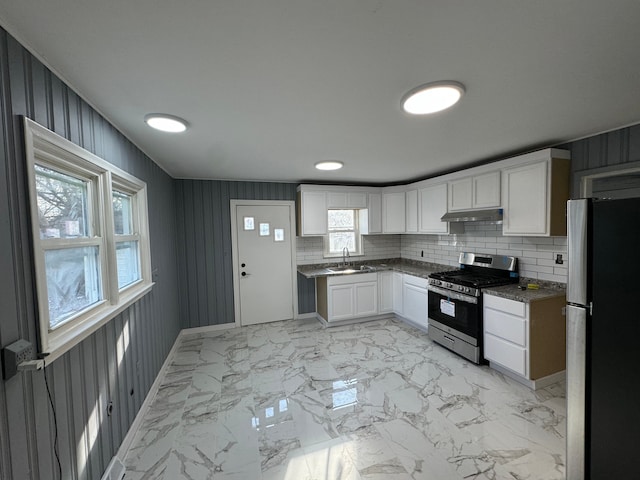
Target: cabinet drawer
[
  {"x": 506, "y": 354},
  {"x": 506, "y": 326},
  {"x": 505, "y": 305},
  {"x": 416, "y": 281},
  {"x": 353, "y": 278}
]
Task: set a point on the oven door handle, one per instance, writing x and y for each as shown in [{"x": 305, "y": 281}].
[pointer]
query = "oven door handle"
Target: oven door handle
[{"x": 451, "y": 294}]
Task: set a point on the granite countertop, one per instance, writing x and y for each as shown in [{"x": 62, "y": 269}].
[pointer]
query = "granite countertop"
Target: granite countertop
[
  {"x": 412, "y": 267},
  {"x": 513, "y": 291}
]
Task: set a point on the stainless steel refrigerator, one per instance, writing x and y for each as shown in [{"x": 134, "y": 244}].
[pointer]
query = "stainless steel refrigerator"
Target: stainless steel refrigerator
[{"x": 603, "y": 339}]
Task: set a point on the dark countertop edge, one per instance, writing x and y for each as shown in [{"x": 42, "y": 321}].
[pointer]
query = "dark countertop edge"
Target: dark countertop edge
[{"x": 412, "y": 267}]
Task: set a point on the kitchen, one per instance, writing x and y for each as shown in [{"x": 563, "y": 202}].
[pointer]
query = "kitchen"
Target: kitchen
[{"x": 89, "y": 377}]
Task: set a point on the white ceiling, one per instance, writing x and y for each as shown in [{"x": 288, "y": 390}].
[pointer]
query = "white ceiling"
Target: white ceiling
[{"x": 272, "y": 86}]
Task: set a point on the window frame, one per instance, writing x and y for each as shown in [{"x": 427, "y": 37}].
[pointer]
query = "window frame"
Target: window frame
[
  {"x": 358, "y": 236},
  {"x": 46, "y": 148}
]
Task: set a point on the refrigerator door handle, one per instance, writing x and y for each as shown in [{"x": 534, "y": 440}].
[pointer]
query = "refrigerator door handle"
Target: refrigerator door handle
[
  {"x": 576, "y": 391},
  {"x": 577, "y": 221}
]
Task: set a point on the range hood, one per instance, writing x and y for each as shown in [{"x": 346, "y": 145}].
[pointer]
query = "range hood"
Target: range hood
[{"x": 491, "y": 215}]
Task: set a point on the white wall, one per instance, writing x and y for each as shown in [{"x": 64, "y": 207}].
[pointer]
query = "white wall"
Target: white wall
[{"x": 536, "y": 255}]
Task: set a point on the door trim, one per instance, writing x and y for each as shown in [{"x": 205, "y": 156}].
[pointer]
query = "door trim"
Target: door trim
[{"x": 234, "y": 250}]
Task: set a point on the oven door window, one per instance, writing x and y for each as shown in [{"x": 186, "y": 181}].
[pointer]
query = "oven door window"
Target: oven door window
[{"x": 457, "y": 314}]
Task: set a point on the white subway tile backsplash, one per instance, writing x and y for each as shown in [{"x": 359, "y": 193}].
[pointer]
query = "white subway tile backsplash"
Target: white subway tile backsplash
[{"x": 536, "y": 255}]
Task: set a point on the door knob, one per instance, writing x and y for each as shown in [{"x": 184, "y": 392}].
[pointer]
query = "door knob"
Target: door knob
[
  {"x": 244, "y": 274},
  {"x": 243, "y": 265}
]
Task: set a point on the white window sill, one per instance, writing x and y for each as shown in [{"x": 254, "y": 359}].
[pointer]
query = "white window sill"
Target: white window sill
[{"x": 61, "y": 344}]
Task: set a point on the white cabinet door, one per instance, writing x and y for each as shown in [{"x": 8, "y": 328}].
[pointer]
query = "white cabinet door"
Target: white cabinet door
[
  {"x": 357, "y": 200},
  {"x": 415, "y": 303},
  {"x": 432, "y": 205},
  {"x": 337, "y": 200},
  {"x": 314, "y": 213},
  {"x": 486, "y": 190},
  {"x": 460, "y": 194},
  {"x": 341, "y": 302},
  {"x": 385, "y": 292},
  {"x": 479, "y": 191},
  {"x": 393, "y": 212},
  {"x": 375, "y": 212},
  {"x": 411, "y": 202},
  {"x": 525, "y": 200},
  {"x": 346, "y": 199},
  {"x": 366, "y": 295},
  {"x": 398, "y": 285}
]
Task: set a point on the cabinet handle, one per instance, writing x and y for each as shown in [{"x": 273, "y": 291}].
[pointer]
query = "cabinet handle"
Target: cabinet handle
[{"x": 449, "y": 339}]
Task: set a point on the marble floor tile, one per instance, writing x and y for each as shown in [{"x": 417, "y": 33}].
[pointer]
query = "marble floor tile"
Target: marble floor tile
[{"x": 296, "y": 401}]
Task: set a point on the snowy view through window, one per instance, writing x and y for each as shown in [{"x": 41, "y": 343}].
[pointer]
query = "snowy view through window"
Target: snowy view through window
[
  {"x": 342, "y": 226},
  {"x": 72, "y": 271}
]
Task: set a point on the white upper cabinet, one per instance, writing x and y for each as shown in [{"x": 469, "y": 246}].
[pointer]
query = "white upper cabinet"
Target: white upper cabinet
[
  {"x": 535, "y": 197},
  {"x": 411, "y": 202},
  {"x": 312, "y": 213},
  {"x": 477, "y": 192},
  {"x": 393, "y": 212},
  {"x": 346, "y": 199},
  {"x": 375, "y": 212},
  {"x": 432, "y": 205}
]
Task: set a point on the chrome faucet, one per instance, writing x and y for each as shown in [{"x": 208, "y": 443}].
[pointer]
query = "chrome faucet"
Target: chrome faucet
[{"x": 345, "y": 256}]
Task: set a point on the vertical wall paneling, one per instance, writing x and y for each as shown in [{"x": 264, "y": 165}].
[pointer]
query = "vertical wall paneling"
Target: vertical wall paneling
[
  {"x": 122, "y": 357},
  {"x": 605, "y": 150},
  {"x": 204, "y": 245}
]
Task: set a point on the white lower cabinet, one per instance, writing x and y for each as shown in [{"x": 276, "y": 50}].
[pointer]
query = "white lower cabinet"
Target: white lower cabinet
[
  {"x": 397, "y": 285},
  {"x": 415, "y": 300},
  {"x": 366, "y": 298},
  {"x": 525, "y": 338},
  {"x": 506, "y": 328},
  {"x": 385, "y": 291},
  {"x": 347, "y": 296}
]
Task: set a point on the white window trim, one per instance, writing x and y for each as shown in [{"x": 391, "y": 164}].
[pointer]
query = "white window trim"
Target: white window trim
[
  {"x": 326, "y": 242},
  {"x": 46, "y": 148}
]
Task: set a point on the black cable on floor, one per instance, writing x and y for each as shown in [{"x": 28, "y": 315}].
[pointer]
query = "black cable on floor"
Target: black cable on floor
[{"x": 55, "y": 423}]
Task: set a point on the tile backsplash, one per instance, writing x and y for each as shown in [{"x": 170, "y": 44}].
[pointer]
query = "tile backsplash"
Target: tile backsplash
[
  {"x": 536, "y": 255},
  {"x": 310, "y": 249}
]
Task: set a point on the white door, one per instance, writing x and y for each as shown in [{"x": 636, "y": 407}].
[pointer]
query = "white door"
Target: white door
[{"x": 263, "y": 246}]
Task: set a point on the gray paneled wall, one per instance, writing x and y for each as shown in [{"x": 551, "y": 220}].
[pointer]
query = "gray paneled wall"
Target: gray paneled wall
[
  {"x": 119, "y": 362},
  {"x": 204, "y": 247},
  {"x": 604, "y": 150}
]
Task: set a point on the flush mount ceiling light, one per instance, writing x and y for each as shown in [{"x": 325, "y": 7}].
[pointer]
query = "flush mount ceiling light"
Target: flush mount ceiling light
[
  {"x": 329, "y": 165},
  {"x": 166, "y": 123},
  {"x": 432, "y": 97}
]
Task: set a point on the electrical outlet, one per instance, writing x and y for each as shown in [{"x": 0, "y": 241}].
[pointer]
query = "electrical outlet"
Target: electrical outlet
[
  {"x": 559, "y": 259},
  {"x": 13, "y": 355}
]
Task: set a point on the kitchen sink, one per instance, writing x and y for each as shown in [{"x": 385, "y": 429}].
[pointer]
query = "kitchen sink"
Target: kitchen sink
[
  {"x": 349, "y": 269},
  {"x": 342, "y": 270}
]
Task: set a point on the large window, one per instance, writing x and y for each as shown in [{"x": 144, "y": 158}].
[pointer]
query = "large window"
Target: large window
[
  {"x": 343, "y": 232},
  {"x": 91, "y": 243}
]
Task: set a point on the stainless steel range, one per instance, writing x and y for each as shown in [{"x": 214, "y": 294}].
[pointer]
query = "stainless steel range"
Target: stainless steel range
[{"x": 455, "y": 301}]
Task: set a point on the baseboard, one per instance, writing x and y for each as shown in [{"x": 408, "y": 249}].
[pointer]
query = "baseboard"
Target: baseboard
[
  {"x": 353, "y": 320},
  {"x": 306, "y": 316},
  {"x": 115, "y": 470},
  {"x": 135, "y": 425},
  {"x": 532, "y": 384},
  {"x": 419, "y": 326},
  {"x": 208, "y": 328}
]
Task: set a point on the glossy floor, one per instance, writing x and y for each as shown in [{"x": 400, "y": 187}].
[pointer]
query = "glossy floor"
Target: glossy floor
[{"x": 292, "y": 400}]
